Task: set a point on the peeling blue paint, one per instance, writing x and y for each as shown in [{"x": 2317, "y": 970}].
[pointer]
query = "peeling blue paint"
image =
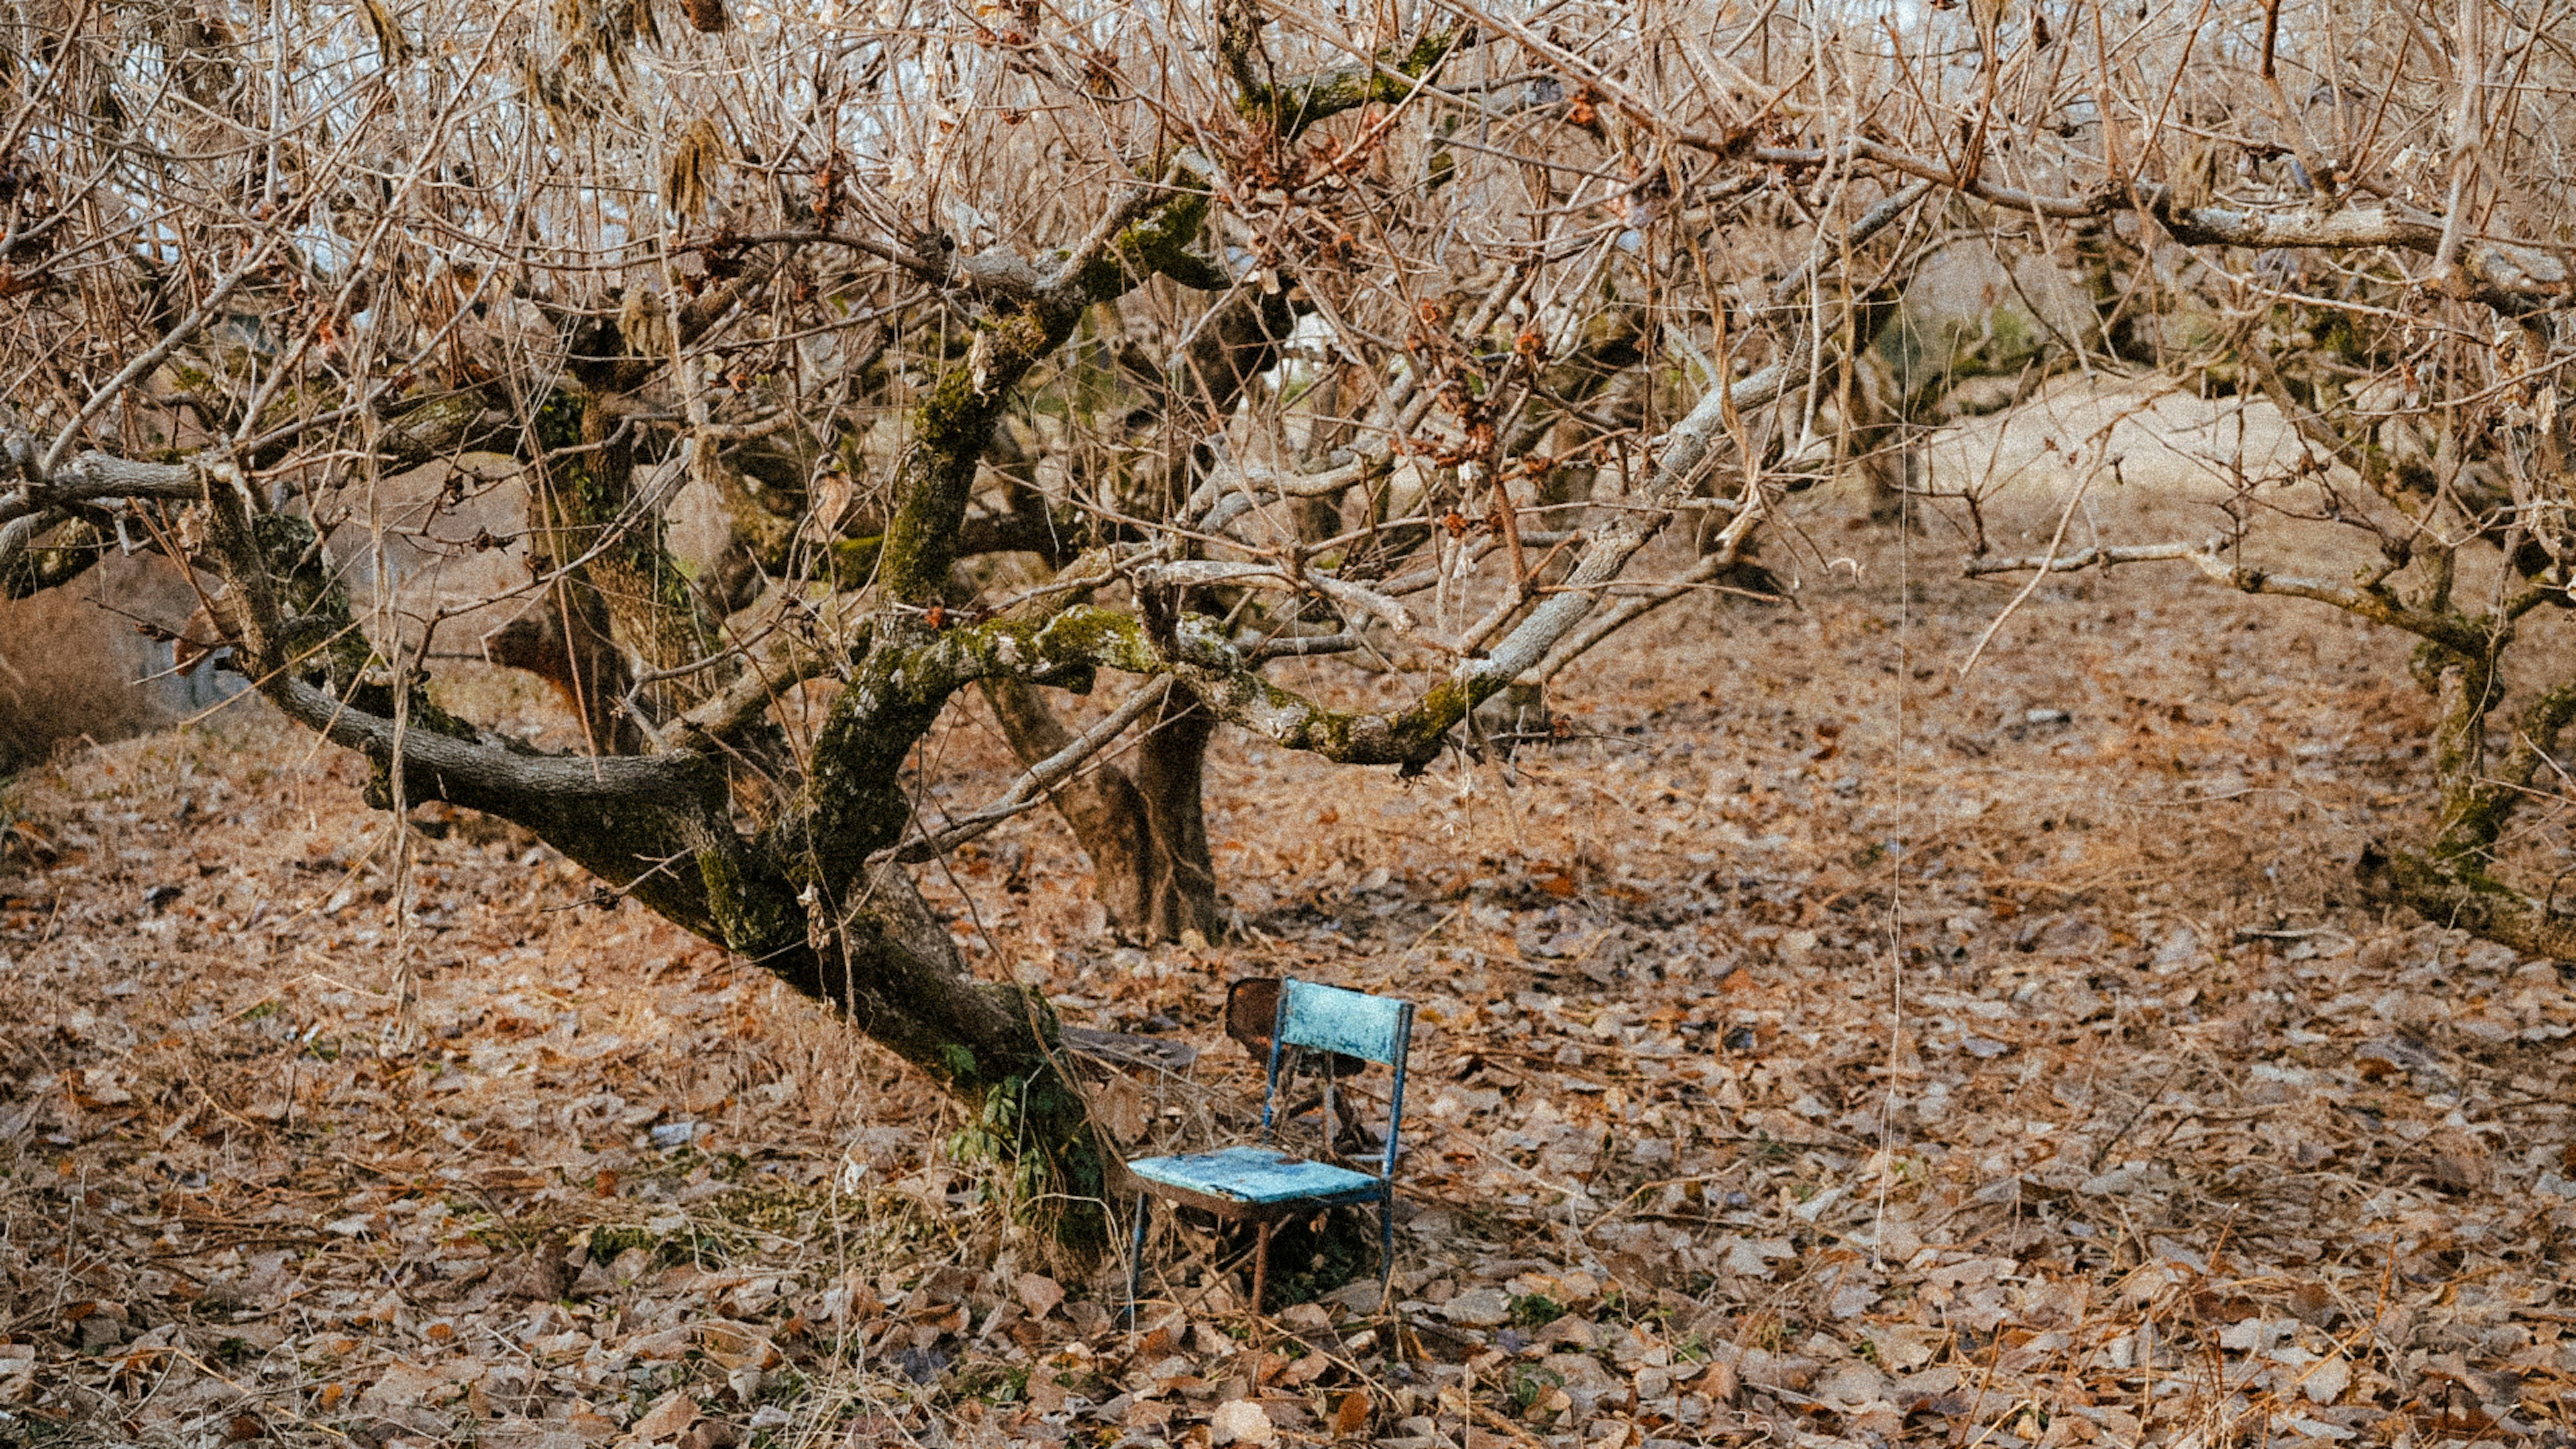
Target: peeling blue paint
[
  {"x": 1259, "y": 1174},
  {"x": 1354, "y": 1023}
]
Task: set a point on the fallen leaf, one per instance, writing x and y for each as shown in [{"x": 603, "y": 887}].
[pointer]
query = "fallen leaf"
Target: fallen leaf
[
  {"x": 1853, "y": 1384},
  {"x": 1752, "y": 1257},
  {"x": 2327, "y": 1381},
  {"x": 1478, "y": 1308},
  {"x": 1904, "y": 1345},
  {"x": 710, "y": 1434},
  {"x": 403, "y": 1386},
  {"x": 1720, "y": 1382},
  {"x": 1039, "y": 1292},
  {"x": 1241, "y": 1422},
  {"x": 675, "y": 1412},
  {"x": 2459, "y": 1171}
]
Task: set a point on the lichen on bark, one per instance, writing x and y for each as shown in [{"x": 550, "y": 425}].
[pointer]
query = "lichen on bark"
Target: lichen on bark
[
  {"x": 1290, "y": 106},
  {"x": 621, "y": 590},
  {"x": 67, "y": 551}
]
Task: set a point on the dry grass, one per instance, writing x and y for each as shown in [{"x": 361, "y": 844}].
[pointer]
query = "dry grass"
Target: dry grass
[{"x": 1813, "y": 1049}]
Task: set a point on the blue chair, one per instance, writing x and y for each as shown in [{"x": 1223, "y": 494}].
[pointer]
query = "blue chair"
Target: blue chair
[{"x": 1266, "y": 1186}]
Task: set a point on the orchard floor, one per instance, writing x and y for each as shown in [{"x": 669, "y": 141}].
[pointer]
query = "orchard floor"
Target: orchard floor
[{"x": 1814, "y": 1048}]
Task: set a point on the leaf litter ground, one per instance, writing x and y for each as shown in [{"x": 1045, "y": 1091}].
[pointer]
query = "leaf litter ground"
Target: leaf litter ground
[{"x": 1812, "y": 1050}]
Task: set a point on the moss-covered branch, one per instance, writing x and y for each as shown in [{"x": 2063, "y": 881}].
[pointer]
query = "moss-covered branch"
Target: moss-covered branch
[
  {"x": 45, "y": 551},
  {"x": 854, "y": 804},
  {"x": 952, "y": 427},
  {"x": 2476, "y": 903},
  {"x": 2477, "y": 802},
  {"x": 1291, "y": 104}
]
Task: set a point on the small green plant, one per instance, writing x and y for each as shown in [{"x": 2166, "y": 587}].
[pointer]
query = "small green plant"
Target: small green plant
[
  {"x": 607, "y": 1241},
  {"x": 1530, "y": 1383},
  {"x": 1618, "y": 1306},
  {"x": 994, "y": 1383},
  {"x": 1764, "y": 1331},
  {"x": 1535, "y": 1310},
  {"x": 787, "y": 1386}
]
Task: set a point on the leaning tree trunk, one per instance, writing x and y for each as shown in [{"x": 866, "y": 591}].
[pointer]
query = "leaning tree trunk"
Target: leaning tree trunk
[
  {"x": 810, "y": 889},
  {"x": 1102, "y": 808},
  {"x": 1145, "y": 832},
  {"x": 813, "y": 899},
  {"x": 1171, "y": 773},
  {"x": 620, "y": 599}
]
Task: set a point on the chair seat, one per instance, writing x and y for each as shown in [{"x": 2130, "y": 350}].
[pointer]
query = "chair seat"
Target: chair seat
[{"x": 1258, "y": 1175}]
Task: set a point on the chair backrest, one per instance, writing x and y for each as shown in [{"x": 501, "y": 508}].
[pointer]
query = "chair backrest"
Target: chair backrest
[{"x": 1353, "y": 1024}]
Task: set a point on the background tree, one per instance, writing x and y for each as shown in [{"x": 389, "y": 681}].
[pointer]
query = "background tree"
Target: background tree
[{"x": 1323, "y": 375}]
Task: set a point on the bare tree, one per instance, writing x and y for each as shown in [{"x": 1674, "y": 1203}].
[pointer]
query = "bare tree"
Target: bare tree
[
  {"x": 1155, "y": 342},
  {"x": 1252, "y": 355},
  {"x": 2356, "y": 215}
]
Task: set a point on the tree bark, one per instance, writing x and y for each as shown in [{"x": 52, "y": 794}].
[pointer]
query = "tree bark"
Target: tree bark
[
  {"x": 1102, "y": 808},
  {"x": 2480, "y": 905},
  {"x": 622, "y": 600},
  {"x": 1171, "y": 771},
  {"x": 566, "y": 640},
  {"x": 1146, "y": 833}
]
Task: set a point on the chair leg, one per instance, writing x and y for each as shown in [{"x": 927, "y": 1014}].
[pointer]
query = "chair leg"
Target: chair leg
[
  {"x": 1136, "y": 1256},
  {"x": 1260, "y": 1266}
]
